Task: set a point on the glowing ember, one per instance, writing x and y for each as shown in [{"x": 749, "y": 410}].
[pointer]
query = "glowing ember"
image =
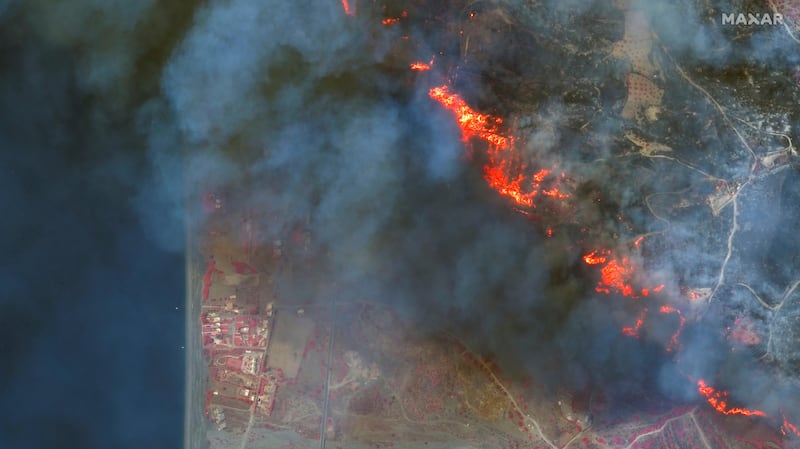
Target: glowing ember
[
  {"x": 634, "y": 331},
  {"x": 790, "y": 427},
  {"x": 347, "y": 9},
  {"x": 614, "y": 276},
  {"x": 485, "y": 127},
  {"x": 673, "y": 341},
  {"x": 595, "y": 257},
  {"x": 472, "y": 123},
  {"x": 696, "y": 294},
  {"x": 504, "y": 172},
  {"x": 390, "y": 20},
  {"x": 539, "y": 176},
  {"x": 554, "y": 193},
  {"x": 744, "y": 332},
  {"x": 646, "y": 291},
  {"x": 419, "y": 66},
  {"x": 507, "y": 173},
  {"x": 718, "y": 400},
  {"x": 498, "y": 179}
]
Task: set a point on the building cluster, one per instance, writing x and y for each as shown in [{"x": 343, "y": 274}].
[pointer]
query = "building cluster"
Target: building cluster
[
  {"x": 228, "y": 327},
  {"x": 237, "y": 319},
  {"x": 266, "y": 393},
  {"x": 235, "y": 343}
]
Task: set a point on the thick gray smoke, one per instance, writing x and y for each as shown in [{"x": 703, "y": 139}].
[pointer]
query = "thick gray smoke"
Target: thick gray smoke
[
  {"x": 309, "y": 112},
  {"x": 296, "y": 100},
  {"x": 297, "y": 110}
]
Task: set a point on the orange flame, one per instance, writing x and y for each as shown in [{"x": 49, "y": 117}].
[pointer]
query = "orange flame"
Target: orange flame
[
  {"x": 634, "y": 331},
  {"x": 595, "y": 257},
  {"x": 472, "y": 123},
  {"x": 505, "y": 171},
  {"x": 616, "y": 274},
  {"x": 718, "y": 400},
  {"x": 498, "y": 179},
  {"x": 419, "y": 66},
  {"x": 554, "y": 193},
  {"x": 485, "y": 127},
  {"x": 646, "y": 291},
  {"x": 673, "y": 341},
  {"x": 347, "y": 9},
  {"x": 506, "y": 174},
  {"x": 790, "y": 427}
]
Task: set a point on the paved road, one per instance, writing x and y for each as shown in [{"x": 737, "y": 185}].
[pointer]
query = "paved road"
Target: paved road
[{"x": 324, "y": 424}]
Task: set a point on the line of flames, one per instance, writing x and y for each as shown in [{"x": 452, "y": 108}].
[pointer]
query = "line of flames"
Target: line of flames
[
  {"x": 505, "y": 173},
  {"x": 616, "y": 272}
]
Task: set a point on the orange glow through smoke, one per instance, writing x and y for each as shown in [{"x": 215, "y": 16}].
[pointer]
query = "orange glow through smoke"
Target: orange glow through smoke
[
  {"x": 504, "y": 172},
  {"x": 673, "y": 341},
  {"x": 419, "y": 66},
  {"x": 596, "y": 257},
  {"x": 616, "y": 275},
  {"x": 347, "y": 9},
  {"x": 634, "y": 331},
  {"x": 790, "y": 427},
  {"x": 718, "y": 400},
  {"x": 472, "y": 123},
  {"x": 393, "y": 20}
]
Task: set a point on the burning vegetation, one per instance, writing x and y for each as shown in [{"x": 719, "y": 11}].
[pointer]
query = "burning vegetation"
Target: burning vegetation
[
  {"x": 514, "y": 175},
  {"x": 505, "y": 174},
  {"x": 719, "y": 401},
  {"x": 505, "y": 171},
  {"x": 349, "y": 9},
  {"x": 510, "y": 176}
]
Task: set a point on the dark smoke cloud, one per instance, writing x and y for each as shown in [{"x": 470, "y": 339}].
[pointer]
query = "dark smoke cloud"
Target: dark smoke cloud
[
  {"x": 299, "y": 106},
  {"x": 391, "y": 195},
  {"x": 405, "y": 219}
]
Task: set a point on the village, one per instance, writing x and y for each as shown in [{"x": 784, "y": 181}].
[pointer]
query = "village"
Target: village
[
  {"x": 283, "y": 372},
  {"x": 246, "y": 360},
  {"x": 270, "y": 360}
]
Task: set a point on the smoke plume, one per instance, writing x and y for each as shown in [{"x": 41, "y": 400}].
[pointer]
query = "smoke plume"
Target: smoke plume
[{"x": 312, "y": 115}]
